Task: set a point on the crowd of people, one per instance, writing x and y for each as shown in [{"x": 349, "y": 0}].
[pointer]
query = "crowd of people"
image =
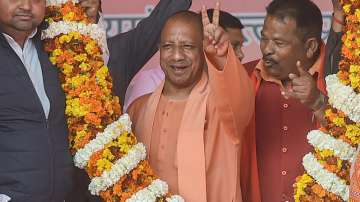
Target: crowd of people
[{"x": 214, "y": 129}]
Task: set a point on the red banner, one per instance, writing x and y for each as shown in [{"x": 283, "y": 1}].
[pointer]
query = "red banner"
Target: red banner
[{"x": 123, "y": 15}]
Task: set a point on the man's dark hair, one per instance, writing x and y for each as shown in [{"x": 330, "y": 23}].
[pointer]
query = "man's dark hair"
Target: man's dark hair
[
  {"x": 306, "y": 14},
  {"x": 226, "y": 20}
]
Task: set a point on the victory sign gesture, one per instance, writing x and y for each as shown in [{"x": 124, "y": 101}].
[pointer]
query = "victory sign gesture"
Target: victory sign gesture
[{"x": 216, "y": 40}]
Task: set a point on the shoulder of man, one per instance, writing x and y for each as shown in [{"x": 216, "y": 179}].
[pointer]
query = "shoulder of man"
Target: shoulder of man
[
  {"x": 250, "y": 66},
  {"x": 136, "y": 107}
]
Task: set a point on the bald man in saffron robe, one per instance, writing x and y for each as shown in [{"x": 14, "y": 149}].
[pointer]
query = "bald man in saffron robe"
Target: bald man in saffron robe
[{"x": 193, "y": 124}]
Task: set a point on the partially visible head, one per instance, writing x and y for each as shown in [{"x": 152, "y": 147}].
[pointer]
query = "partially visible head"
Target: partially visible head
[
  {"x": 21, "y": 16},
  {"x": 291, "y": 32},
  {"x": 233, "y": 27},
  {"x": 181, "y": 49}
]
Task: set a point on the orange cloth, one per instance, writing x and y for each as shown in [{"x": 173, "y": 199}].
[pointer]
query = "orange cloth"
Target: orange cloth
[
  {"x": 249, "y": 175},
  {"x": 355, "y": 182},
  {"x": 213, "y": 122}
]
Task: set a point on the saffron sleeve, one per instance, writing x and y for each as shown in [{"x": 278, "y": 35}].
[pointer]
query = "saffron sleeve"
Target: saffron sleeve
[{"x": 233, "y": 95}]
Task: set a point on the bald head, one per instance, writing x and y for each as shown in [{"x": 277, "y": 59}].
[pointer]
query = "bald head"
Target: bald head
[{"x": 188, "y": 18}]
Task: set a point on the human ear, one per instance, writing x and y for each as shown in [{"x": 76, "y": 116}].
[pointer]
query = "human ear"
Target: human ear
[{"x": 311, "y": 47}]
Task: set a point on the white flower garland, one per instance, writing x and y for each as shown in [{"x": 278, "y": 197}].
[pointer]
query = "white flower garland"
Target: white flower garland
[
  {"x": 156, "y": 189},
  {"x": 94, "y": 31},
  {"x": 136, "y": 154},
  {"x": 111, "y": 132},
  {"x": 121, "y": 167},
  {"x": 175, "y": 198},
  {"x": 324, "y": 141},
  {"x": 343, "y": 97},
  {"x": 59, "y": 2},
  {"x": 326, "y": 179}
]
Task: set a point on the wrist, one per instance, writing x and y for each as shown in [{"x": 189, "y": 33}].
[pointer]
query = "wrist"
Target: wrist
[
  {"x": 337, "y": 21},
  {"x": 319, "y": 103},
  {"x": 338, "y": 17}
]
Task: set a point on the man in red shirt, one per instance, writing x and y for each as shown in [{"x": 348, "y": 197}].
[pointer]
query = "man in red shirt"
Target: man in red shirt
[{"x": 290, "y": 90}]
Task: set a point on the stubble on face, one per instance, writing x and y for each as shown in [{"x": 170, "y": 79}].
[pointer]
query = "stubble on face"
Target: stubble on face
[
  {"x": 21, "y": 17},
  {"x": 281, "y": 47},
  {"x": 181, "y": 54}
]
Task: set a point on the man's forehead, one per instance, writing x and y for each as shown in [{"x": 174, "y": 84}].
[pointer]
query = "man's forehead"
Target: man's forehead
[
  {"x": 280, "y": 20},
  {"x": 181, "y": 28}
]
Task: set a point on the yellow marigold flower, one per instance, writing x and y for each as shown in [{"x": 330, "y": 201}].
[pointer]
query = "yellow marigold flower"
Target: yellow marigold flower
[
  {"x": 124, "y": 142},
  {"x": 81, "y": 57},
  {"x": 69, "y": 16},
  {"x": 84, "y": 66},
  {"x": 101, "y": 75},
  {"x": 84, "y": 94},
  {"x": 353, "y": 133},
  {"x": 325, "y": 153},
  {"x": 57, "y": 52},
  {"x": 75, "y": 35},
  {"x": 339, "y": 164},
  {"x": 338, "y": 121},
  {"x": 108, "y": 155},
  {"x": 102, "y": 72},
  {"x": 78, "y": 80},
  {"x": 64, "y": 38},
  {"x": 301, "y": 184},
  {"x": 328, "y": 112},
  {"x": 354, "y": 68},
  {"x": 89, "y": 48},
  {"x": 347, "y": 8},
  {"x": 74, "y": 108},
  {"x": 67, "y": 69},
  {"x": 52, "y": 60},
  {"x": 80, "y": 135},
  {"x": 357, "y": 40},
  {"x": 357, "y": 52},
  {"x": 354, "y": 80},
  {"x": 357, "y": 13},
  {"x": 103, "y": 164}
]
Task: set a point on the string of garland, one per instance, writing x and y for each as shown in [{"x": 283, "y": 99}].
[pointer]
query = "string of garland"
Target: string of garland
[
  {"x": 327, "y": 176},
  {"x": 100, "y": 139}
]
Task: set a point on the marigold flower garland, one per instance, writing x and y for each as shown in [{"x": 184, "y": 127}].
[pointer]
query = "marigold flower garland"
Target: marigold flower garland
[
  {"x": 100, "y": 139},
  {"x": 327, "y": 176}
]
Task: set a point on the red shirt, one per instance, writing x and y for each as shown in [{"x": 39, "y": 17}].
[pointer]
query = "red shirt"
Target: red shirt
[{"x": 281, "y": 129}]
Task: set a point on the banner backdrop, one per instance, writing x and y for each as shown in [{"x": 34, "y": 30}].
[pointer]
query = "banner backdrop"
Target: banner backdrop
[{"x": 123, "y": 15}]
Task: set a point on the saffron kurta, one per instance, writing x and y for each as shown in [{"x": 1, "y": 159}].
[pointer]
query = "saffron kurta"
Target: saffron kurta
[
  {"x": 355, "y": 182},
  {"x": 226, "y": 97},
  {"x": 281, "y": 129}
]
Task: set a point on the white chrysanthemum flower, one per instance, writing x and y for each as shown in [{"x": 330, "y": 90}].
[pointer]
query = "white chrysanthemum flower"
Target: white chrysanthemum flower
[
  {"x": 120, "y": 168},
  {"x": 110, "y": 133},
  {"x": 175, "y": 198},
  {"x": 94, "y": 31},
  {"x": 59, "y": 2},
  {"x": 156, "y": 189},
  {"x": 343, "y": 98},
  {"x": 323, "y": 141},
  {"x": 329, "y": 181}
]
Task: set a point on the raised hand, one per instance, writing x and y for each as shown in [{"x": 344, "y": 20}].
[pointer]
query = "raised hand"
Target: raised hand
[
  {"x": 216, "y": 40},
  {"x": 91, "y": 8},
  {"x": 303, "y": 87}
]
